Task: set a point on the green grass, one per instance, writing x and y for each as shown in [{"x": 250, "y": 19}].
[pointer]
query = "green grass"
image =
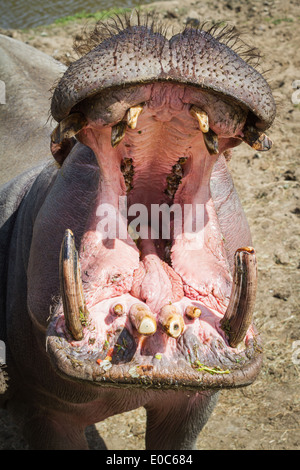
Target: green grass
[
  {"x": 280, "y": 20},
  {"x": 277, "y": 21},
  {"x": 97, "y": 16}
]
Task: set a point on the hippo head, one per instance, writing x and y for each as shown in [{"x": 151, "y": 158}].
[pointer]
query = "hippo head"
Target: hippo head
[{"x": 157, "y": 274}]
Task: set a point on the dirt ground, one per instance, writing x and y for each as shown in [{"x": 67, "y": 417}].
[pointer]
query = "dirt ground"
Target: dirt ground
[{"x": 265, "y": 415}]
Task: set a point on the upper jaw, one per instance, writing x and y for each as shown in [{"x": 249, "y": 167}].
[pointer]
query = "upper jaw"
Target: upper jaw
[{"x": 141, "y": 55}]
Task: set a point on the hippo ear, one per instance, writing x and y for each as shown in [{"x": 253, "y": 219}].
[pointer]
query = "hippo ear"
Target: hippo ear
[{"x": 62, "y": 138}]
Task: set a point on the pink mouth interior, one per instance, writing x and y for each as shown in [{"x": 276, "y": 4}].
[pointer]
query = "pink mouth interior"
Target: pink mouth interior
[{"x": 191, "y": 270}]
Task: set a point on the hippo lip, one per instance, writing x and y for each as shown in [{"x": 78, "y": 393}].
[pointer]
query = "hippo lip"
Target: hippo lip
[{"x": 195, "y": 328}]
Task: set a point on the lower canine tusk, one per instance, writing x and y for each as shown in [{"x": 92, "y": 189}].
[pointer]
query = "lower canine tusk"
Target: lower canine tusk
[
  {"x": 238, "y": 316},
  {"x": 142, "y": 319},
  {"x": 171, "y": 321},
  {"x": 71, "y": 286}
]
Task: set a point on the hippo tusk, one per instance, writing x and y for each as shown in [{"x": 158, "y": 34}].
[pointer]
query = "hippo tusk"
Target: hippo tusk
[
  {"x": 171, "y": 321},
  {"x": 257, "y": 140},
  {"x": 238, "y": 316},
  {"x": 133, "y": 114},
  {"x": 201, "y": 117},
  {"x": 68, "y": 127},
  {"x": 118, "y": 133},
  {"x": 63, "y": 136},
  {"x": 142, "y": 319},
  {"x": 71, "y": 286},
  {"x": 211, "y": 142}
]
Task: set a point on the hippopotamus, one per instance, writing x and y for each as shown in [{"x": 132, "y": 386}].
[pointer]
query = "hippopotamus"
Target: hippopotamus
[{"x": 103, "y": 310}]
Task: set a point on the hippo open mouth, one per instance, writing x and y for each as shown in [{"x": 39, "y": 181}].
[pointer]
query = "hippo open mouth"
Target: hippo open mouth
[{"x": 144, "y": 300}]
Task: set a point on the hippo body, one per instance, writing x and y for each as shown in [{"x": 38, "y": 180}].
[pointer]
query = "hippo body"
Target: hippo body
[{"x": 95, "y": 325}]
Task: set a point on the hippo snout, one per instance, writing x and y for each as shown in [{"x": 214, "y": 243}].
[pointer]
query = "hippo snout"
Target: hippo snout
[
  {"x": 130, "y": 257},
  {"x": 160, "y": 116}
]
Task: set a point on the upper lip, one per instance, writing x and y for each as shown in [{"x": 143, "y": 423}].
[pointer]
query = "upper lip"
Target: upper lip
[{"x": 209, "y": 64}]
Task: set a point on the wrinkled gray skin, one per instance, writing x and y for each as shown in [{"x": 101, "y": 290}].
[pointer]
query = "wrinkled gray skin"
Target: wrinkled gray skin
[
  {"x": 54, "y": 411},
  {"x": 28, "y": 75}
]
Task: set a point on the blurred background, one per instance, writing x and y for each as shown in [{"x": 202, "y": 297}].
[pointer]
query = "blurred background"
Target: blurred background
[{"x": 31, "y": 13}]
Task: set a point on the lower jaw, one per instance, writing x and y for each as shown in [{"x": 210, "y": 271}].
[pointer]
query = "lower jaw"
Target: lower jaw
[
  {"x": 197, "y": 368},
  {"x": 113, "y": 353},
  {"x": 112, "y": 350}
]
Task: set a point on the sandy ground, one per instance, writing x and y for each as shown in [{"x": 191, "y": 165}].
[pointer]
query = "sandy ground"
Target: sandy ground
[{"x": 265, "y": 415}]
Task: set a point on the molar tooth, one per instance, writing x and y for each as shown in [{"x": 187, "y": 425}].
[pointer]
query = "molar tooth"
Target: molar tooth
[
  {"x": 71, "y": 286},
  {"x": 142, "y": 319},
  {"x": 118, "y": 133},
  {"x": 211, "y": 141},
  {"x": 171, "y": 321},
  {"x": 238, "y": 316},
  {"x": 202, "y": 118},
  {"x": 133, "y": 114},
  {"x": 192, "y": 312}
]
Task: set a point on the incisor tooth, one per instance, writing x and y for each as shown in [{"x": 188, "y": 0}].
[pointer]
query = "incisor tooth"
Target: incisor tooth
[
  {"x": 193, "y": 312},
  {"x": 118, "y": 309},
  {"x": 118, "y": 133},
  {"x": 142, "y": 319},
  {"x": 202, "y": 118},
  {"x": 133, "y": 114},
  {"x": 171, "y": 321}
]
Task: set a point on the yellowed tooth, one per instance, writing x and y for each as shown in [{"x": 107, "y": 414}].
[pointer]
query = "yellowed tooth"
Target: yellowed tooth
[
  {"x": 118, "y": 133},
  {"x": 133, "y": 114},
  {"x": 193, "y": 312},
  {"x": 257, "y": 140},
  {"x": 68, "y": 127},
  {"x": 142, "y": 319},
  {"x": 171, "y": 321},
  {"x": 118, "y": 309},
  {"x": 238, "y": 316},
  {"x": 202, "y": 118},
  {"x": 211, "y": 142},
  {"x": 71, "y": 287}
]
